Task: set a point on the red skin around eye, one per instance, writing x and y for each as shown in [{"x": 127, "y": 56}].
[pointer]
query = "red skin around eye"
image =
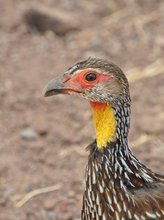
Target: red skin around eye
[{"x": 79, "y": 81}]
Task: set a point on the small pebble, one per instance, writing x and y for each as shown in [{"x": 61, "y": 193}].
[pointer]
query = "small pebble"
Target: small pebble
[
  {"x": 96, "y": 41},
  {"x": 49, "y": 205},
  {"x": 8, "y": 192},
  {"x": 29, "y": 134},
  {"x": 51, "y": 215}
]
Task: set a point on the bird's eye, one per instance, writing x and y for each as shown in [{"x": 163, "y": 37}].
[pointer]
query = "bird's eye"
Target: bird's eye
[{"x": 90, "y": 77}]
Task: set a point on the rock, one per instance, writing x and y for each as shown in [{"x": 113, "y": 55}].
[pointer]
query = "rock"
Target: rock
[
  {"x": 49, "y": 205},
  {"x": 96, "y": 41},
  {"x": 43, "y": 132},
  {"x": 43, "y": 20},
  {"x": 51, "y": 215},
  {"x": 8, "y": 192},
  {"x": 29, "y": 134}
]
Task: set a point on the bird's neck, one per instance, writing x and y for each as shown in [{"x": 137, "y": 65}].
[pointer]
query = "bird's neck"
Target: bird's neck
[
  {"x": 112, "y": 126},
  {"x": 110, "y": 123}
]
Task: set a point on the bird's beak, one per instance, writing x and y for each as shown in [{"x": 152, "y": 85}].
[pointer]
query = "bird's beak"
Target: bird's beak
[
  {"x": 59, "y": 85},
  {"x": 54, "y": 87}
]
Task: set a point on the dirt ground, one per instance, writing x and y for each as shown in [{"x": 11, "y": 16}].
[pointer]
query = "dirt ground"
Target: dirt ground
[{"x": 42, "y": 141}]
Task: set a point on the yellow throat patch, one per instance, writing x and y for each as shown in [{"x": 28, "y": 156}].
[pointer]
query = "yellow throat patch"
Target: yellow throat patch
[{"x": 104, "y": 123}]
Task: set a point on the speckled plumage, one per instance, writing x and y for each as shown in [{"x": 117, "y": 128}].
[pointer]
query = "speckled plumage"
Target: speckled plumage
[{"x": 118, "y": 186}]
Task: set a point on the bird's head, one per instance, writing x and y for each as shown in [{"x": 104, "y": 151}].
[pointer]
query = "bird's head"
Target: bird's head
[
  {"x": 105, "y": 86},
  {"x": 94, "y": 79}
]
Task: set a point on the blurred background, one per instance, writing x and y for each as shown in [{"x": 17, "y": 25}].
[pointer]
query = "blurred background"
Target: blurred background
[{"x": 42, "y": 141}]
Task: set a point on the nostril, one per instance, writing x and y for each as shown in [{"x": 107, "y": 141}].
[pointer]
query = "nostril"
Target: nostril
[{"x": 65, "y": 79}]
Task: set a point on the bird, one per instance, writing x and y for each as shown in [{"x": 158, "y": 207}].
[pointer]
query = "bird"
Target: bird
[{"x": 117, "y": 185}]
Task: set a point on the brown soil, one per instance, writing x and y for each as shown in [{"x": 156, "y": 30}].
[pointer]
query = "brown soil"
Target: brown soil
[{"x": 131, "y": 34}]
